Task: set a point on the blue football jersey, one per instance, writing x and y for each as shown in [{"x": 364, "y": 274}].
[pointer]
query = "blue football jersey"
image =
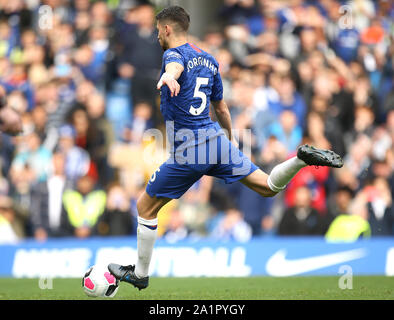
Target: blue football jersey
[{"x": 200, "y": 83}]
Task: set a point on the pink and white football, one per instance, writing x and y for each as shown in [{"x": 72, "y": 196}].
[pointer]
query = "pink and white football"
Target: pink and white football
[{"x": 99, "y": 282}]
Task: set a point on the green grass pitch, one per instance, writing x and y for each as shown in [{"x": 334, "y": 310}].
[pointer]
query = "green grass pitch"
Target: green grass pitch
[{"x": 251, "y": 288}]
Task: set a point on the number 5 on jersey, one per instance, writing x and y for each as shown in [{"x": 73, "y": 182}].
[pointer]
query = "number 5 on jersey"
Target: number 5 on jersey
[{"x": 199, "y": 94}]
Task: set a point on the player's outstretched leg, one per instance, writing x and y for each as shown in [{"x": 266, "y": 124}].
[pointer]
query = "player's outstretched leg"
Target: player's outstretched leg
[
  {"x": 281, "y": 174},
  {"x": 137, "y": 274}
]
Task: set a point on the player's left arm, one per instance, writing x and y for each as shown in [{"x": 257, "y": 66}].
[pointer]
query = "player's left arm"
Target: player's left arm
[
  {"x": 223, "y": 115},
  {"x": 170, "y": 77},
  {"x": 220, "y": 106}
]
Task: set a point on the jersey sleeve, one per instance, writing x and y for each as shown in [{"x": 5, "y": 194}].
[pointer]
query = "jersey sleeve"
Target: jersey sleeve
[
  {"x": 172, "y": 56},
  {"x": 217, "y": 88}
]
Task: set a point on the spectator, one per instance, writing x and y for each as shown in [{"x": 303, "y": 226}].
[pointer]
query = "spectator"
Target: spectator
[
  {"x": 117, "y": 219},
  {"x": 176, "y": 228},
  {"x": 358, "y": 160},
  {"x": 82, "y": 24},
  {"x": 289, "y": 99},
  {"x": 140, "y": 57},
  {"x": 316, "y": 131},
  {"x": 351, "y": 226},
  {"x": 91, "y": 56},
  {"x": 231, "y": 226},
  {"x": 83, "y": 206},
  {"x": 7, "y": 148},
  {"x": 46, "y": 216},
  {"x": 345, "y": 41},
  {"x": 363, "y": 11},
  {"x": 95, "y": 107},
  {"x": 34, "y": 155},
  {"x": 273, "y": 153},
  {"x": 363, "y": 123},
  {"x": 342, "y": 199},
  {"x": 308, "y": 43},
  {"x": 77, "y": 159},
  {"x": 380, "y": 208},
  {"x": 364, "y": 96},
  {"x": 239, "y": 42},
  {"x": 48, "y": 96},
  {"x": 141, "y": 122},
  {"x": 302, "y": 218},
  {"x": 233, "y": 11},
  {"x": 7, "y": 233},
  {"x": 39, "y": 118},
  {"x": 287, "y": 131},
  {"x": 87, "y": 136},
  {"x": 85, "y": 91}
]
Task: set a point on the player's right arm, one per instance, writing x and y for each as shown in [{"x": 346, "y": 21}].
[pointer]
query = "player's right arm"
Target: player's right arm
[{"x": 170, "y": 77}]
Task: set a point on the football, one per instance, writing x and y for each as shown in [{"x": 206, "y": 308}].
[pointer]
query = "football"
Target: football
[{"x": 99, "y": 282}]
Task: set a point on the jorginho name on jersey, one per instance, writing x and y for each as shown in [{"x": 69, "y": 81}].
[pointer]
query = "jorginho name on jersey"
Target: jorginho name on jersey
[
  {"x": 200, "y": 61},
  {"x": 200, "y": 83}
]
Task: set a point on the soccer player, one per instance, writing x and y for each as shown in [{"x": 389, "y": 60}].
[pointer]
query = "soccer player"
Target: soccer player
[{"x": 189, "y": 80}]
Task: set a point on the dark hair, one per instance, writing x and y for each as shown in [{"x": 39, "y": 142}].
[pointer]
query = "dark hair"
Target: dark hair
[
  {"x": 177, "y": 15},
  {"x": 345, "y": 188}
]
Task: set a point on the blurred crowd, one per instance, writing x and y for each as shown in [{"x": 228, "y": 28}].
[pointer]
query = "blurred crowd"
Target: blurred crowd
[{"x": 83, "y": 76}]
